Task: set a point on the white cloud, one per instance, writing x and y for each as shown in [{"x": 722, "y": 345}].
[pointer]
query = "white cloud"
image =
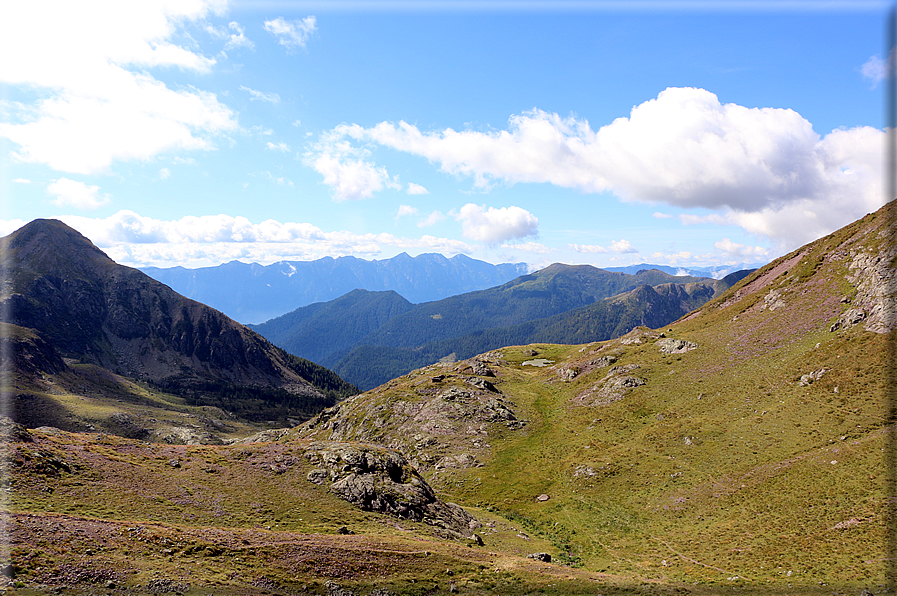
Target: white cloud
[
  {"x": 532, "y": 247},
  {"x": 690, "y": 219},
  {"x": 278, "y": 147},
  {"x": 260, "y": 95},
  {"x": 22, "y": 181},
  {"x": 622, "y": 247},
  {"x": 416, "y": 189},
  {"x": 93, "y": 109},
  {"x": 588, "y": 248},
  {"x": 346, "y": 170},
  {"x": 674, "y": 258},
  {"x": 76, "y": 194},
  {"x": 617, "y": 246},
  {"x": 742, "y": 251},
  {"x": 405, "y": 210},
  {"x": 279, "y": 180},
  {"x": 685, "y": 148},
  {"x": 431, "y": 220},
  {"x": 495, "y": 225},
  {"x": 237, "y": 39},
  {"x": 350, "y": 179},
  {"x": 135, "y": 240},
  {"x": 875, "y": 69},
  {"x": 164, "y": 173},
  {"x": 234, "y": 33},
  {"x": 659, "y": 215},
  {"x": 292, "y": 34}
]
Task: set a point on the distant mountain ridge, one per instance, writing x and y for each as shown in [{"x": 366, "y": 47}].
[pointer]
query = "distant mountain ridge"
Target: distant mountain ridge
[
  {"x": 253, "y": 293},
  {"x": 356, "y": 336}
]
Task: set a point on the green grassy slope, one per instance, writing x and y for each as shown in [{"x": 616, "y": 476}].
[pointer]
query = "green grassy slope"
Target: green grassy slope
[{"x": 722, "y": 467}]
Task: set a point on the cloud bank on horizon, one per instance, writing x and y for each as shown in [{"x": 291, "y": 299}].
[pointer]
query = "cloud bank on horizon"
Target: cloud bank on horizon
[{"x": 104, "y": 89}]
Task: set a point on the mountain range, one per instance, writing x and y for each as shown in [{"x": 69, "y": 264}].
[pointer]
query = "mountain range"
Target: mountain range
[
  {"x": 371, "y": 337},
  {"x": 253, "y": 293},
  {"x": 741, "y": 449}
]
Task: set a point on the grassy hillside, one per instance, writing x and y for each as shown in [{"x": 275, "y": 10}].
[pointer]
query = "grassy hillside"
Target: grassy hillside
[
  {"x": 738, "y": 450},
  {"x": 753, "y": 455}
]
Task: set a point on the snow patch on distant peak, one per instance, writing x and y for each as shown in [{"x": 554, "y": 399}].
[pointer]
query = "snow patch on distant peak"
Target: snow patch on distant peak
[{"x": 292, "y": 269}]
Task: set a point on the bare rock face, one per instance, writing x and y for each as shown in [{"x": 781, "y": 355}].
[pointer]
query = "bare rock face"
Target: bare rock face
[
  {"x": 668, "y": 345},
  {"x": 382, "y": 480},
  {"x": 875, "y": 278}
]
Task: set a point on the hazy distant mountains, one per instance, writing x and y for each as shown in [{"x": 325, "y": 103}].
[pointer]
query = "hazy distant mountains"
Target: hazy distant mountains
[
  {"x": 253, "y": 293},
  {"x": 369, "y": 338}
]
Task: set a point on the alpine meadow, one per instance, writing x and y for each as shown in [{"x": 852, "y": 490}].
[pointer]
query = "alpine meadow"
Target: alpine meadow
[{"x": 424, "y": 298}]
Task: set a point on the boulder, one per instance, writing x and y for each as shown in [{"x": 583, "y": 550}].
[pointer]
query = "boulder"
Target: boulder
[{"x": 379, "y": 479}]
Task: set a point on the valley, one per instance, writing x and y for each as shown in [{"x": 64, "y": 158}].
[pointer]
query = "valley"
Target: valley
[{"x": 740, "y": 448}]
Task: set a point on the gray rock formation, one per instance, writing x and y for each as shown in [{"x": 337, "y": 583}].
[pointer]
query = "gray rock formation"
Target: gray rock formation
[
  {"x": 668, "y": 345},
  {"x": 378, "y": 479},
  {"x": 611, "y": 388}
]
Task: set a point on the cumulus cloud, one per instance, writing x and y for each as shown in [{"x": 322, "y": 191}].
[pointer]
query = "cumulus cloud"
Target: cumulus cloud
[
  {"x": 234, "y": 33},
  {"x": 684, "y": 148},
  {"x": 495, "y": 225},
  {"x": 431, "y": 220},
  {"x": 405, "y": 210},
  {"x": 71, "y": 193},
  {"x": 588, "y": 248},
  {"x": 278, "y": 147},
  {"x": 97, "y": 101},
  {"x": 292, "y": 34},
  {"x": 346, "y": 169},
  {"x": 617, "y": 246},
  {"x": 416, "y": 189},
  {"x": 674, "y": 258},
  {"x": 22, "y": 181},
  {"x": 260, "y": 95},
  {"x": 622, "y": 247},
  {"x": 531, "y": 247},
  {"x": 875, "y": 69},
  {"x": 742, "y": 251},
  {"x": 136, "y": 240},
  {"x": 659, "y": 215}
]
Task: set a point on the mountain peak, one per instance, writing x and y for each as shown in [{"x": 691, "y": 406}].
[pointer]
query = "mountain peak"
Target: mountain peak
[{"x": 49, "y": 244}]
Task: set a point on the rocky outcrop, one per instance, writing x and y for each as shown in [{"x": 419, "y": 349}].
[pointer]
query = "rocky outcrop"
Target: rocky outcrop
[
  {"x": 439, "y": 421},
  {"x": 378, "y": 479},
  {"x": 611, "y": 388},
  {"x": 810, "y": 378},
  {"x": 13, "y": 432},
  {"x": 668, "y": 345},
  {"x": 875, "y": 304}
]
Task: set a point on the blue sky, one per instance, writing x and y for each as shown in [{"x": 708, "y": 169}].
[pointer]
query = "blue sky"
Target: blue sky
[{"x": 196, "y": 132}]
